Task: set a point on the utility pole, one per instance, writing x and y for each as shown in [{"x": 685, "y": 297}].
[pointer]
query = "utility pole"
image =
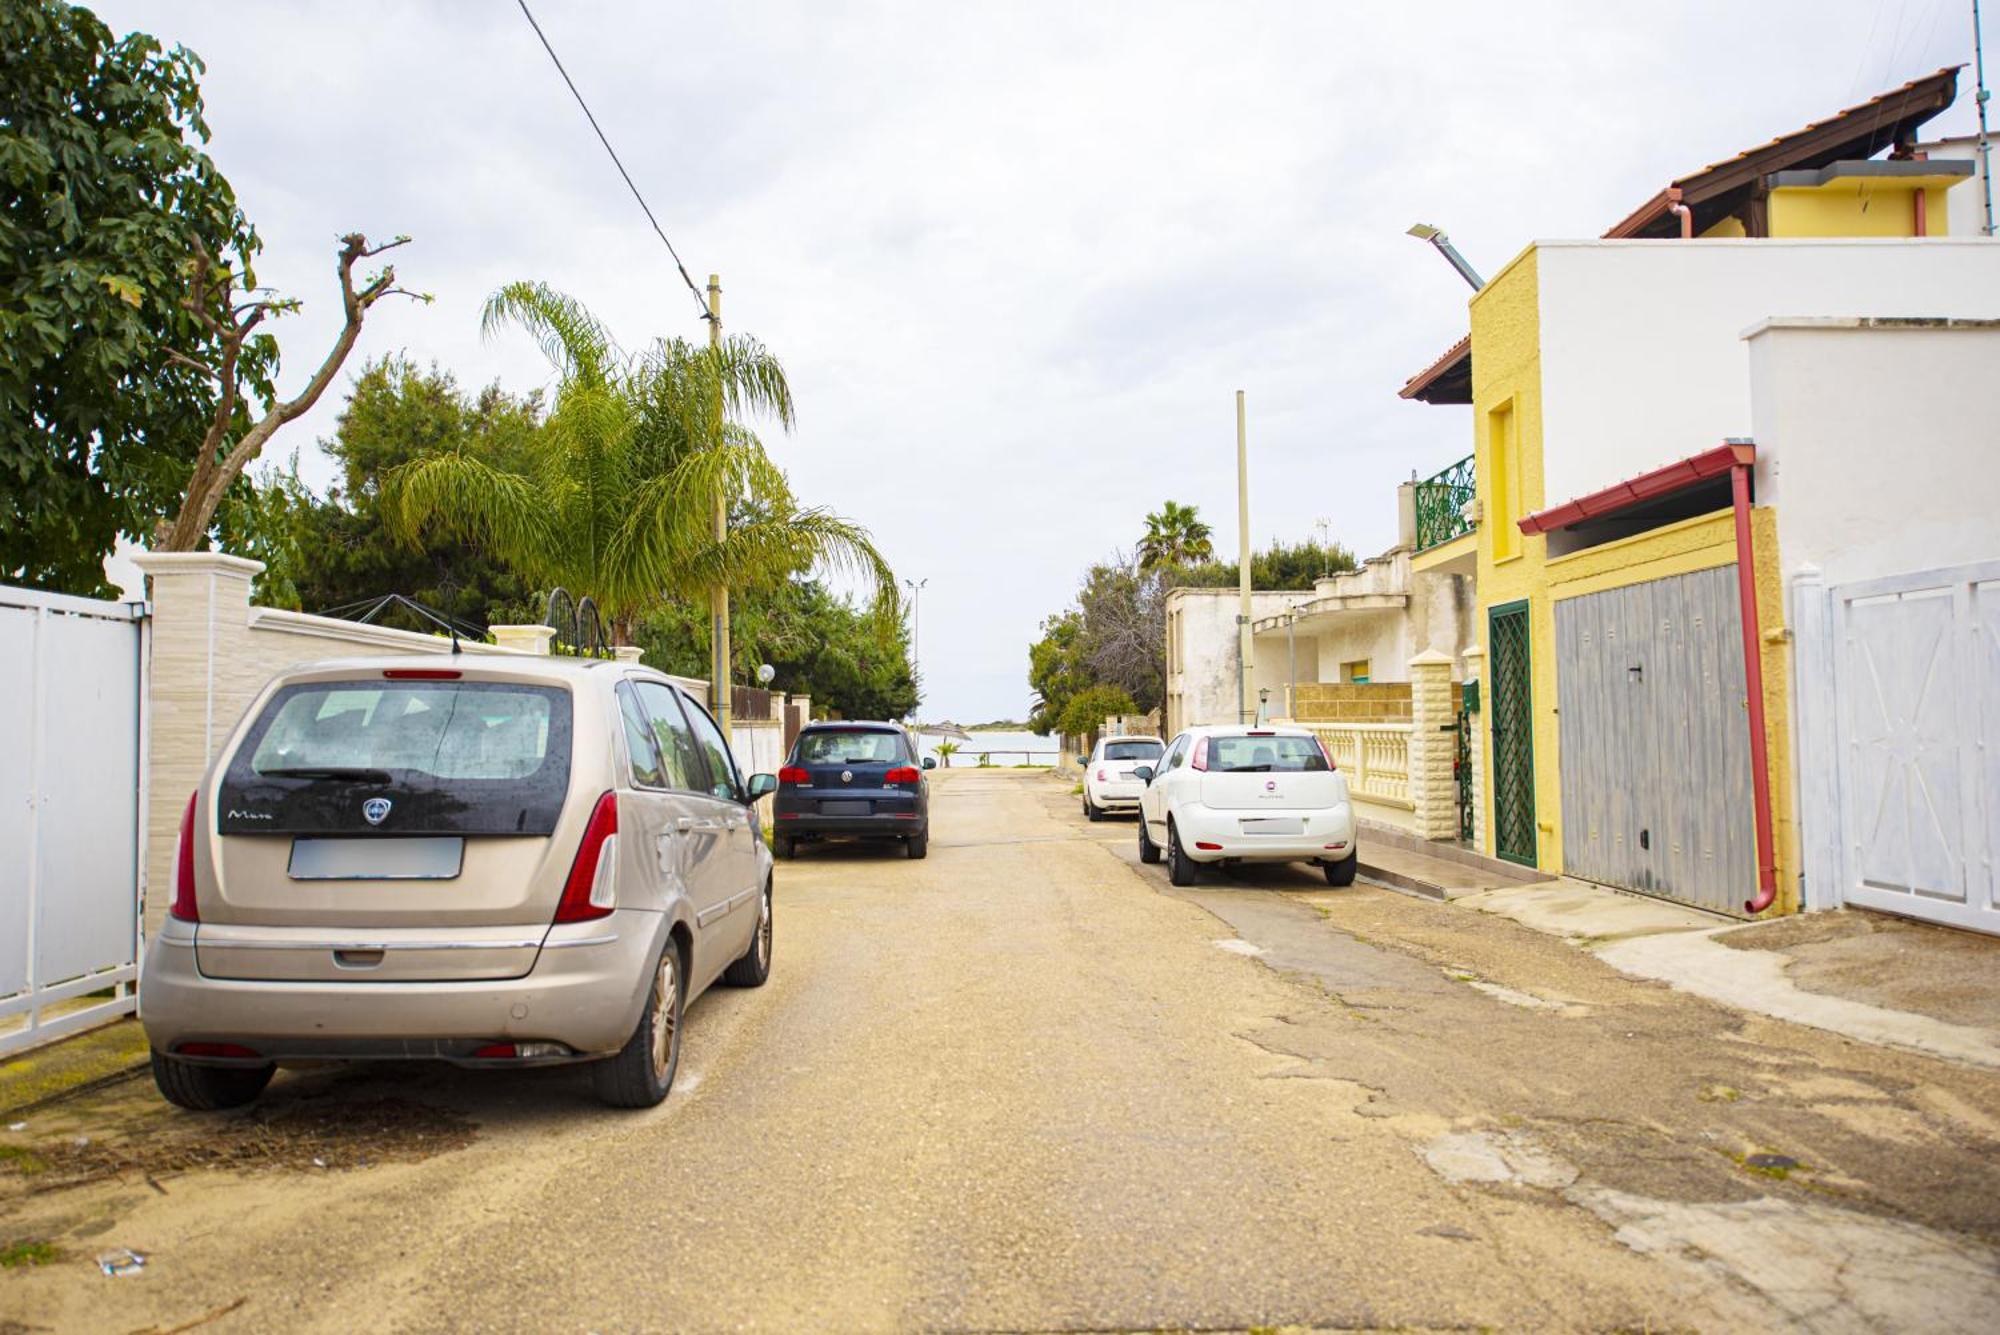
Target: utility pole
[
  {"x": 916, "y": 587},
  {"x": 718, "y": 596},
  {"x": 1246, "y": 711},
  {"x": 1980, "y": 99}
]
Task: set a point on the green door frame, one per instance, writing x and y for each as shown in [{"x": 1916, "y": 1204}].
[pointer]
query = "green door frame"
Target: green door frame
[{"x": 1522, "y": 791}]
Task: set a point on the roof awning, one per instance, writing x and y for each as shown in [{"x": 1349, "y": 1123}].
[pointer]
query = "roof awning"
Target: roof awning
[{"x": 1643, "y": 488}]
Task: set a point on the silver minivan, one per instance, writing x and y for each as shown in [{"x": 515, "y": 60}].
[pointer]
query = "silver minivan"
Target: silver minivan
[{"x": 506, "y": 861}]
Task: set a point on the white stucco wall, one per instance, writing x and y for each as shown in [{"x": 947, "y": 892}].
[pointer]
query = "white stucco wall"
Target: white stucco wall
[
  {"x": 1642, "y": 356},
  {"x": 1876, "y": 445},
  {"x": 1201, "y": 658}
]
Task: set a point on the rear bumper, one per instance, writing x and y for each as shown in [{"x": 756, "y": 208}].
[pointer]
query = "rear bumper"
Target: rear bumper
[
  {"x": 879, "y": 826},
  {"x": 1114, "y": 795},
  {"x": 585, "y": 996},
  {"x": 1198, "y": 824}
]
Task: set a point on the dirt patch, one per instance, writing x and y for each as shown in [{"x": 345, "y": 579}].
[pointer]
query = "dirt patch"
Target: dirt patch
[
  {"x": 311, "y": 1135},
  {"x": 1908, "y": 966}
]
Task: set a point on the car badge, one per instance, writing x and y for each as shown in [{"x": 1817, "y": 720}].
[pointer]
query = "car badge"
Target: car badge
[
  {"x": 847, "y": 776},
  {"x": 1270, "y": 785},
  {"x": 375, "y": 810}
]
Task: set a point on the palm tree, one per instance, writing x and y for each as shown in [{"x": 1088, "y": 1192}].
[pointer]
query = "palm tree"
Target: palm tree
[
  {"x": 617, "y": 499},
  {"x": 1175, "y": 536}
]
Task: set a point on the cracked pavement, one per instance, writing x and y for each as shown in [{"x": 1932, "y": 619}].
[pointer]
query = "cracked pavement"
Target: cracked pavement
[{"x": 1026, "y": 1085}]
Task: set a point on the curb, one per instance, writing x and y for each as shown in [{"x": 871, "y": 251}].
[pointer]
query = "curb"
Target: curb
[{"x": 1396, "y": 880}]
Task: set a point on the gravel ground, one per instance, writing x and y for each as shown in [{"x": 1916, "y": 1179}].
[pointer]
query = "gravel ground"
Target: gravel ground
[{"x": 1024, "y": 1085}]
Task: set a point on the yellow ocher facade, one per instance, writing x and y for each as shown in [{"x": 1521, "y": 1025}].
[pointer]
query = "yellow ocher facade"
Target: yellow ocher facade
[{"x": 1515, "y": 567}]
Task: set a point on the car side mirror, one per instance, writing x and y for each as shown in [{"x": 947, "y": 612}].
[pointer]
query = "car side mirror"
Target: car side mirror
[
  {"x": 761, "y": 785},
  {"x": 1143, "y": 773},
  {"x": 930, "y": 762},
  {"x": 1083, "y": 761}
]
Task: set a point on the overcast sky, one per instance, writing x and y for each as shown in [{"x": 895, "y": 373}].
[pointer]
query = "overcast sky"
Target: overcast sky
[{"x": 1016, "y": 258}]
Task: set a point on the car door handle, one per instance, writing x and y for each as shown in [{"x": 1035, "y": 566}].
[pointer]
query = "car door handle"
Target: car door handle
[{"x": 687, "y": 823}]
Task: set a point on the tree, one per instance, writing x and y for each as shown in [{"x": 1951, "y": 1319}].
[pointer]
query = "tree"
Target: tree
[
  {"x": 1281, "y": 566},
  {"x": 1175, "y": 536},
  {"x": 1056, "y": 669},
  {"x": 105, "y": 195},
  {"x": 1124, "y": 641},
  {"x": 616, "y": 498},
  {"x": 1087, "y": 710},
  {"x": 229, "y": 327}
]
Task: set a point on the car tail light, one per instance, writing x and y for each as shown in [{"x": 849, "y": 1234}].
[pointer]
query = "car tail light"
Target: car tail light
[
  {"x": 231, "y": 1051},
  {"x": 792, "y": 775},
  {"x": 1325, "y": 754},
  {"x": 1200, "y": 760},
  {"x": 903, "y": 774},
  {"x": 494, "y": 1051},
  {"x": 1207, "y": 847},
  {"x": 422, "y": 674},
  {"x": 183, "y": 906},
  {"x": 592, "y": 889}
]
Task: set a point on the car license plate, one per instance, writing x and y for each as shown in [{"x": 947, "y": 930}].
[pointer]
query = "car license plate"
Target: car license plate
[
  {"x": 845, "y": 808},
  {"x": 1273, "y": 825},
  {"x": 426, "y": 859}
]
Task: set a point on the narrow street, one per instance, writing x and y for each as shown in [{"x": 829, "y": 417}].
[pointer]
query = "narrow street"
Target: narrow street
[{"x": 1025, "y": 1085}]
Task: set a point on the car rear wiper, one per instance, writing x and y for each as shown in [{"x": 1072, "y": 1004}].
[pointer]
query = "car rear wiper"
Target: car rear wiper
[{"x": 344, "y": 773}]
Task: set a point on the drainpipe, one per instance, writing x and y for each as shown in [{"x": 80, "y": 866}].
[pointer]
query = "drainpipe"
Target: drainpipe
[
  {"x": 1753, "y": 681},
  {"x": 1685, "y": 213}
]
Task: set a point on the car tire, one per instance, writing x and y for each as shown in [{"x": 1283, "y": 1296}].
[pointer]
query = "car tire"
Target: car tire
[
  {"x": 1342, "y": 872},
  {"x": 917, "y": 845},
  {"x": 642, "y": 1071},
  {"x": 199, "y": 1088},
  {"x": 1181, "y": 869},
  {"x": 755, "y": 966},
  {"x": 1149, "y": 852},
  {"x": 785, "y": 846}
]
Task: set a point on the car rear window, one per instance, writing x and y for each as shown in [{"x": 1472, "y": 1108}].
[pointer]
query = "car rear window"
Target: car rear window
[
  {"x": 447, "y": 757},
  {"x": 1132, "y": 750},
  {"x": 1265, "y": 753},
  {"x": 850, "y": 746}
]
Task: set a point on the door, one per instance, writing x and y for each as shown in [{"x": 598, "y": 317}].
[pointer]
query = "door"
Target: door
[
  {"x": 736, "y": 846},
  {"x": 1513, "y": 735},
  {"x": 708, "y": 858},
  {"x": 1153, "y": 802},
  {"x": 1655, "y": 740},
  {"x": 1917, "y": 719}
]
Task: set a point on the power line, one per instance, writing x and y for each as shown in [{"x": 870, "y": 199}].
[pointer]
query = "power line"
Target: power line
[{"x": 682, "y": 268}]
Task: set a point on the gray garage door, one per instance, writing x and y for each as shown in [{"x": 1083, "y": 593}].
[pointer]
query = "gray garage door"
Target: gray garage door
[{"x": 1655, "y": 740}]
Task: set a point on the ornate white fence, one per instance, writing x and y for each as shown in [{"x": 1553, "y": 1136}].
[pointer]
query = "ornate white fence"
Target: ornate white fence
[{"x": 1375, "y": 757}]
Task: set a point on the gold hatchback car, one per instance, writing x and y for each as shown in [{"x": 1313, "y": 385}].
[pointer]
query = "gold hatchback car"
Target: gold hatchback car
[{"x": 507, "y": 861}]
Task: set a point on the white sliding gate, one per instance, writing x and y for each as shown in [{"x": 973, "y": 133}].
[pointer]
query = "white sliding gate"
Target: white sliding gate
[
  {"x": 70, "y": 813},
  {"x": 1915, "y": 732}
]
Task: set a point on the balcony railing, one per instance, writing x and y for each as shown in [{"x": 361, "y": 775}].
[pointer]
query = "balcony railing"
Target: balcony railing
[
  {"x": 1441, "y": 502},
  {"x": 1374, "y": 756}
]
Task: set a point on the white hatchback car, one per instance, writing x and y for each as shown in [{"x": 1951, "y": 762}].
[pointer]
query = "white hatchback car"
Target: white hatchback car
[
  {"x": 1225, "y": 794},
  {"x": 1108, "y": 784}
]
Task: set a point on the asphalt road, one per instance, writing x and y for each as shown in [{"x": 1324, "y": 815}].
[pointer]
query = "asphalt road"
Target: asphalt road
[{"x": 1025, "y": 1085}]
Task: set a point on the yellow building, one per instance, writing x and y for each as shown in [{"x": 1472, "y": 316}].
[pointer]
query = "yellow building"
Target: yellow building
[{"x": 1635, "y": 717}]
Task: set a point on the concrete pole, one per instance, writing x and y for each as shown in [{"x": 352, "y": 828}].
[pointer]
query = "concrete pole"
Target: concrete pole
[
  {"x": 718, "y": 597},
  {"x": 1245, "y": 664}
]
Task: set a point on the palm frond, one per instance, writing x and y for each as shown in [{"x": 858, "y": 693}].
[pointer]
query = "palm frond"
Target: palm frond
[{"x": 576, "y": 342}]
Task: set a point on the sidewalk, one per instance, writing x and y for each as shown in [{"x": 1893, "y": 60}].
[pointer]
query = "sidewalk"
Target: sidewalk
[{"x": 1868, "y": 977}]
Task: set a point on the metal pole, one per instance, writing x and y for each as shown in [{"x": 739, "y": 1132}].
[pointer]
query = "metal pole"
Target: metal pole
[
  {"x": 1292, "y": 655},
  {"x": 718, "y": 596},
  {"x": 1979, "y": 100},
  {"x": 916, "y": 587},
  {"x": 1246, "y": 712}
]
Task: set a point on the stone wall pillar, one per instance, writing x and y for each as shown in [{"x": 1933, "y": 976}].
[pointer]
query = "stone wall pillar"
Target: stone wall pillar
[
  {"x": 1475, "y": 671},
  {"x": 628, "y": 653},
  {"x": 1432, "y": 749},
  {"x": 527, "y": 639}
]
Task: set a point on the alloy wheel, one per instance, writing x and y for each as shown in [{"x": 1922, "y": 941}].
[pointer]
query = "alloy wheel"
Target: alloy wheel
[
  {"x": 666, "y": 1012},
  {"x": 764, "y": 929}
]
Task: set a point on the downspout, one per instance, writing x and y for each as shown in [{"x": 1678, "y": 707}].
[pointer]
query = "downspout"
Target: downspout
[
  {"x": 1753, "y": 681},
  {"x": 1686, "y": 214}
]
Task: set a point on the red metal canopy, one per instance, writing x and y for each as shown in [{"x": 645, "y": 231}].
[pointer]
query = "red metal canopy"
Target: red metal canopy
[{"x": 1645, "y": 487}]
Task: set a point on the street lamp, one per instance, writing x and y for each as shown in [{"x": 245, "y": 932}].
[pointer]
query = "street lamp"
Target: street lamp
[{"x": 1436, "y": 236}]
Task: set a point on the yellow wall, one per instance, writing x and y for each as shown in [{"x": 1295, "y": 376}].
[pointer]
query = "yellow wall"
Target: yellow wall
[
  {"x": 1861, "y": 206},
  {"x": 1506, "y": 367}
]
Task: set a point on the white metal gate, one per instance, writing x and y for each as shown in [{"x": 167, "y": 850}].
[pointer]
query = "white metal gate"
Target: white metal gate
[
  {"x": 70, "y": 817},
  {"x": 1916, "y": 674}
]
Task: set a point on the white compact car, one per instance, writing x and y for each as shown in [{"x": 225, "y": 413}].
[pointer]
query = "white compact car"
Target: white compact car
[
  {"x": 1225, "y": 794},
  {"x": 1108, "y": 784}
]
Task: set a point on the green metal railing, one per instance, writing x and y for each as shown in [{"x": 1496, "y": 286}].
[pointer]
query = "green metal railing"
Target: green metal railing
[{"x": 1441, "y": 502}]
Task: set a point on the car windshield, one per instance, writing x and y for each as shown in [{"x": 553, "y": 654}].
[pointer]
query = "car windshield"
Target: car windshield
[
  {"x": 1140, "y": 750},
  {"x": 849, "y": 747},
  {"x": 1265, "y": 753}
]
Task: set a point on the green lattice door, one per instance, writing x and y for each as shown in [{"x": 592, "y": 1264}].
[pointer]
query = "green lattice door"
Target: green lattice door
[{"x": 1513, "y": 735}]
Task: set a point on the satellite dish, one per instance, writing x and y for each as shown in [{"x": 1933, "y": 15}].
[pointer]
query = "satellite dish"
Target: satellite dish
[{"x": 764, "y": 674}]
